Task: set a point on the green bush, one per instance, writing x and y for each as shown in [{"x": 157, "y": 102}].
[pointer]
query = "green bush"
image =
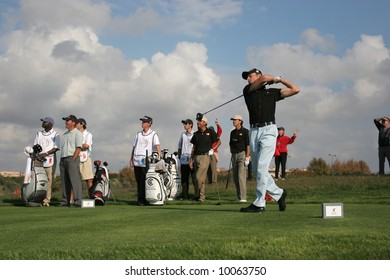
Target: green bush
[{"x": 318, "y": 166}]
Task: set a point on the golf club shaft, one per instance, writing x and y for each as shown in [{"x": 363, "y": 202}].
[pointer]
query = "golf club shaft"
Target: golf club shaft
[
  {"x": 222, "y": 104},
  {"x": 265, "y": 83},
  {"x": 230, "y": 165}
]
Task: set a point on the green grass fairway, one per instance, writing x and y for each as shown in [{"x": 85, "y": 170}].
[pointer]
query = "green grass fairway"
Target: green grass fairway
[{"x": 213, "y": 230}]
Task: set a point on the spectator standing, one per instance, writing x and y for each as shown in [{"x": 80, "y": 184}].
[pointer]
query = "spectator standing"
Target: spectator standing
[
  {"x": 239, "y": 147},
  {"x": 71, "y": 144},
  {"x": 281, "y": 151},
  {"x": 212, "y": 172},
  {"x": 383, "y": 125},
  {"x": 86, "y": 169},
  {"x": 145, "y": 143},
  {"x": 184, "y": 152},
  {"x": 49, "y": 140},
  {"x": 202, "y": 140}
]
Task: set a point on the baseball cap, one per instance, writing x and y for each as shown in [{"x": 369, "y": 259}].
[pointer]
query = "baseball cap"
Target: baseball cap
[
  {"x": 187, "y": 121},
  {"x": 146, "y": 119},
  {"x": 386, "y": 118},
  {"x": 48, "y": 120},
  {"x": 81, "y": 120},
  {"x": 237, "y": 117},
  {"x": 281, "y": 128},
  {"x": 70, "y": 117},
  {"x": 245, "y": 74},
  {"x": 204, "y": 119}
]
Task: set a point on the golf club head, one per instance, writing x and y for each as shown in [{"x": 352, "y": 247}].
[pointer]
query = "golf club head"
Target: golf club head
[{"x": 199, "y": 116}]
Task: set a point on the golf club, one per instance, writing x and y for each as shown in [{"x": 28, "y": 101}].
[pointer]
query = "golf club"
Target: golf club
[{"x": 199, "y": 116}]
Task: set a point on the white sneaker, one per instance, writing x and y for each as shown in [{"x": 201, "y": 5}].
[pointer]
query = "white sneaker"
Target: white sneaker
[
  {"x": 46, "y": 204},
  {"x": 243, "y": 201}
]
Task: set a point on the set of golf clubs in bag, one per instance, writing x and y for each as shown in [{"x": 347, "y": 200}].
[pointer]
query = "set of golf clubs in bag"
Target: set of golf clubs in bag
[{"x": 35, "y": 184}]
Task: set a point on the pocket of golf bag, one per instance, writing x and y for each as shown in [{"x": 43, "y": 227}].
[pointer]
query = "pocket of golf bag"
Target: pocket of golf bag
[
  {"x": 100, "y": 191},
  {"x": 154, "y": 188}
]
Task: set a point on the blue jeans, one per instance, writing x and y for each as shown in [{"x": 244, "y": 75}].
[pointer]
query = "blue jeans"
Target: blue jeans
[{"x": 262, "y": 145}]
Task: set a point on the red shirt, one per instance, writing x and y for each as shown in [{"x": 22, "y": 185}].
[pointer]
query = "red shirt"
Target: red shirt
[
  {"x": 219, "y": 132},
  {"x": 282, "y": 142}
]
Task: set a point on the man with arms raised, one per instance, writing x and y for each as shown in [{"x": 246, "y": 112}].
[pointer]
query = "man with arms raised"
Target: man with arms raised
[{"x": 261, "y": 103}]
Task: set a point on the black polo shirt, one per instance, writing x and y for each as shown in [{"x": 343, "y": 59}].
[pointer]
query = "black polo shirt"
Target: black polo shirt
[
  {"x": 261, "y": 103},
  {"x": 203, "y": 141},
  {"x": 239, "y": 140}
]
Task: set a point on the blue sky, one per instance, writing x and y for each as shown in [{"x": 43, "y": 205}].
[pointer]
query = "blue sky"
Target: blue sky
[{"x": 112, "y": 62}]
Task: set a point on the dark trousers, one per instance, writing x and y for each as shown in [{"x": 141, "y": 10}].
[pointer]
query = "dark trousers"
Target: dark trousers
[
  {"x": 186, "y": 173},
  {"x": 282, "y": 159},
  {"x": 383, "y": 153},
  {"x": 140, "y": 177}
]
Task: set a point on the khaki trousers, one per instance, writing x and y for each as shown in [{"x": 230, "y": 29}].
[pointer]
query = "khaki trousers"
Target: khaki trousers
[
  {"x": 202, "y": 163},
  {"x": 239, "y": 174}
]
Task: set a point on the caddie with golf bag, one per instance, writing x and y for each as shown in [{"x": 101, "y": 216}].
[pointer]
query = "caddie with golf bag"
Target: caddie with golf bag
[
  {"x": 35, "y": 182},
  {"x": 146, "y": 142},
  {"x": 100, "y": 190}
]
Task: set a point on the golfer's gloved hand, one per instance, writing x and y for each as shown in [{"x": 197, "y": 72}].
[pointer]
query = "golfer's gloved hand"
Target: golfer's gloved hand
[
  {"x": 247, "y": 161},
  {"x": 211, "y": 152}
]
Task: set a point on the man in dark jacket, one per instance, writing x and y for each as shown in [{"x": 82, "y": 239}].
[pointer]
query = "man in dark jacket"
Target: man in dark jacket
[{"x": 383, "y": 125}]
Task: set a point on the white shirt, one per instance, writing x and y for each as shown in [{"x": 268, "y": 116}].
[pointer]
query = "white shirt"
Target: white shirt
[
  {"x": 186, "y": 147},
  {"x": 48, "y": 140},
  {"x": 87, "y": 139}
]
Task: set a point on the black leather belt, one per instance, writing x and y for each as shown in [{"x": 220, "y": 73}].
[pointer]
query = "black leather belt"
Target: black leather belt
[{"x": 261, "y": 124}]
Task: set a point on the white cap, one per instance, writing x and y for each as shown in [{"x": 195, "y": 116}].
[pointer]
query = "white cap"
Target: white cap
[{"x": 237, "y": 117}]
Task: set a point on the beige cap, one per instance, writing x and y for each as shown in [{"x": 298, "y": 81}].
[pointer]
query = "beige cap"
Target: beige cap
[
  {"x": 205, "y": 119},
  {"x": 237, "y": 117}
]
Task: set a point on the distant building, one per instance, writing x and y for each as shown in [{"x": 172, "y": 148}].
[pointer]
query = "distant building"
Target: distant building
[{"x": 11, "y": 174}]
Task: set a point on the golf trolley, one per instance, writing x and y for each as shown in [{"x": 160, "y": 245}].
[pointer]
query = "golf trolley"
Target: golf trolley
[
  {"x": 100, "y": 190},
  {"x": 162, "y": 178},
  {"x": 35, "y": 184}
]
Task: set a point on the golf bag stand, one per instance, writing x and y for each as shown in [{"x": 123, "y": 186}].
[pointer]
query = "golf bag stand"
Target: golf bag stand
[
  {"x": 155, "y": 191},
  {"x": 35, "y": 184},
  {"x": 100, "y": 190}
]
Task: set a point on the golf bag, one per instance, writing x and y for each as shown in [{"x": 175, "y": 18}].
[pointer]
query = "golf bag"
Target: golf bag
[
  {"x": 35, "y": 184},
  {"x": 100, "y": 190},
  {"x": 171, "y": 176},
  {"x": 155, "y": 191}
]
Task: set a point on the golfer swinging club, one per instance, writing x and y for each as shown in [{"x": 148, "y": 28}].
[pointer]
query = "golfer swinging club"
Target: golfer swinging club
[{"x": 261, "y": 104}]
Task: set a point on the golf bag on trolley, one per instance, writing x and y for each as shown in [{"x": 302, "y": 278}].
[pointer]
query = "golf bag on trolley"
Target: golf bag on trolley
[
  {"x": 100, "y": 190},
  {"x": 35, "y": 184}
]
